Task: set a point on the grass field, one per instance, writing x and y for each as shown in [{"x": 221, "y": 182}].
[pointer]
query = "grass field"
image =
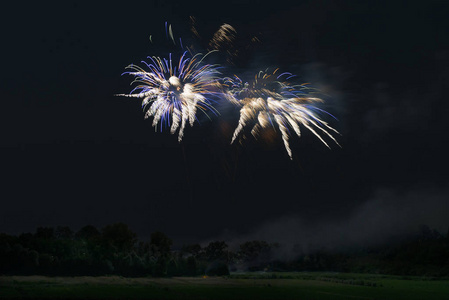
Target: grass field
[{"x": 237, "y": 286}]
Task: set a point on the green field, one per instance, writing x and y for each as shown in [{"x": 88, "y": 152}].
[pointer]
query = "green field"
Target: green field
[{"x": 237, "y": 286}]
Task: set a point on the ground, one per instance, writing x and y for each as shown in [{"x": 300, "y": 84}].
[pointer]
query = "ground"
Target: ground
[{"x": 237, "y": 286}]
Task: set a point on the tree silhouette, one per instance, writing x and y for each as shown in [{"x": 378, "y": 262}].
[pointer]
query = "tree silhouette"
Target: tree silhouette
[
  {"x": 193, "y": 250},
  {"x": 116, "y": 251},
  {"x": 119, "y": 236},
  {"x": 63, "y": 232},
  {"x": 160, "y": 244},
  {"x": 252, "y": 250},
  {"x": 216, "y": 251},
  {"x": 45, "y": 233},
  {"x": 88, "y": 232}
]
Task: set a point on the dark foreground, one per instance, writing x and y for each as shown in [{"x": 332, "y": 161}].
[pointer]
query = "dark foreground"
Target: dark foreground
[{"x": 237, "y": 286}]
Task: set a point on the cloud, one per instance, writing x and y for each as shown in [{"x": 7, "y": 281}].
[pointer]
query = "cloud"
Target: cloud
[{"x": 386, "y": 216}]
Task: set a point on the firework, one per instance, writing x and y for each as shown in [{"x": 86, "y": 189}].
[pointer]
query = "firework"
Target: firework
[
  {"x": 225, "y": 35},
  {"x": 172, "y": 93},
  {"x": 268, "y": 101},
  {"x": 236, "y": 46}
]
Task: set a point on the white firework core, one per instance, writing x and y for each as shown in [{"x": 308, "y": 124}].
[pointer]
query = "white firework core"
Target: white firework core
[{"x": 174, "y": 81}]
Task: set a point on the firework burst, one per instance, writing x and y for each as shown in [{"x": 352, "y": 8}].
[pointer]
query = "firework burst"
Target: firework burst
[
  {"x": 237, "y": 47},
  {"x": 172, "y": 93},
  {"x": 269, "y": 101}
]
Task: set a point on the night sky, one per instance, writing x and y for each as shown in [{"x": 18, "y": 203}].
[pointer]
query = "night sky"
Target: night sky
[{"x": 74, "y": 154}]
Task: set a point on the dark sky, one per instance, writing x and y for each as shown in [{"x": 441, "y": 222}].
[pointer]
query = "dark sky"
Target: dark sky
[{"x": 73, "y": 154}]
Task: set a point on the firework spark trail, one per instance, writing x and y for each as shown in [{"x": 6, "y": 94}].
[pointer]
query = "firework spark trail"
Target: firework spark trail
[
  {"x": 268, "y": 101},
  {"x": 223, "y": 37},
  {"x": 175, "y": 92},
  {"x": 226, "y": 39}
]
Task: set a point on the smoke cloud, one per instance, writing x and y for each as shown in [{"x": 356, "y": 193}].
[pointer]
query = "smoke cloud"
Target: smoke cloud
[{"x": 389, "y": 215}]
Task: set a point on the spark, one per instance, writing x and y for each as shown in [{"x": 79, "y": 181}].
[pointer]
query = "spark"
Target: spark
[
  {"x": 267, "y": 101},
  {"x": 225, "y": 35},
  {"x": 171, "y": 93}
]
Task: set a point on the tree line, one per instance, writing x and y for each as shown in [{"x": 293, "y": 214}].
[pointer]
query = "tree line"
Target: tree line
[{"x": 115, "y": 249}]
